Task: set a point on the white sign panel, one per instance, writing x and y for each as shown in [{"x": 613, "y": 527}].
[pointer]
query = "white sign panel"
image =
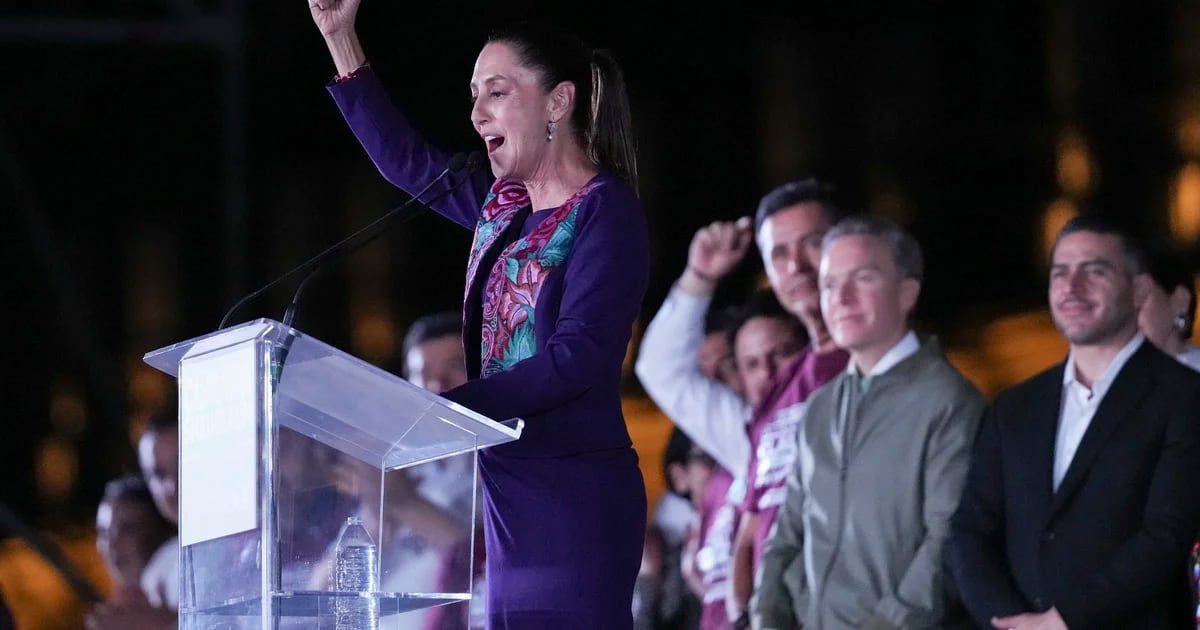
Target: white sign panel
[{"x": 218, "y": 455}]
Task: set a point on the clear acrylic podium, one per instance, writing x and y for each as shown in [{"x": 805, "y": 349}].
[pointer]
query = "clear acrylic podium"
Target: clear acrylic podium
[{"x": 282, "y": 439}]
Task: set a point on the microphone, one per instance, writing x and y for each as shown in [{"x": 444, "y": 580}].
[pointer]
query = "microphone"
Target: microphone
[{"x": 366, "y": 234}]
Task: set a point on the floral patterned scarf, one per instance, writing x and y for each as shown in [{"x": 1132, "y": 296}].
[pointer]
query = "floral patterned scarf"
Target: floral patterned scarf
[{"x": 512, "y": 287}]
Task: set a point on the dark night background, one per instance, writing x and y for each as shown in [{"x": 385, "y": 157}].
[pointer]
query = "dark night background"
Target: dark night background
[{"x": 160, "y": 159}]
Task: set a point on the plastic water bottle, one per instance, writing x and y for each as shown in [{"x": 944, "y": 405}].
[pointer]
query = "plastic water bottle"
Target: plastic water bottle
[{"x": 356, "y": 570}]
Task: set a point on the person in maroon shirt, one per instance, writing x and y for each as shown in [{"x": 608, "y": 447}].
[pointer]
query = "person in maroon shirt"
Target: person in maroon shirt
[
  {"x": 788, "y": 227},
  {"x": 705, "y": 558}
]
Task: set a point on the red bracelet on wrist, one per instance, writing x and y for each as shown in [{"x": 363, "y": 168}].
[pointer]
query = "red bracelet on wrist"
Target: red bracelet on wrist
[{"x": 353, "y": 73}]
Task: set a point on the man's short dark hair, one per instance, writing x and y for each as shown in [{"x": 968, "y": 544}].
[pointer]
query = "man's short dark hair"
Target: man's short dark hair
[
  {"x": 430, "y": 327},
  {"x": 808, "y": 190},
  {"x": 1093, "y": 221},
  {"x": 720, "y": 320},
  {"x": 763, "y": 303}
]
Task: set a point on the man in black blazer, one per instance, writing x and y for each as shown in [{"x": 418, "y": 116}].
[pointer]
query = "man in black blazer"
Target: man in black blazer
[{"x": 1084, "y": 492}]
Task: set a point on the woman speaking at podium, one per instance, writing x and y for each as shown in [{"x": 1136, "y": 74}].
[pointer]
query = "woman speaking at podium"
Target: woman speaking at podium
[{"x": 555, "y": 280}]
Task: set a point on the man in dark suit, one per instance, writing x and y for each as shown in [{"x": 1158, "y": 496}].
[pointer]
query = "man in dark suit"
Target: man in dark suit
[{"x": 1083, "y": 496}]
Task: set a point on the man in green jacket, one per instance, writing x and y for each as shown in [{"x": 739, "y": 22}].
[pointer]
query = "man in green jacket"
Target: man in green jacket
[{"x": 883, "y": 455}]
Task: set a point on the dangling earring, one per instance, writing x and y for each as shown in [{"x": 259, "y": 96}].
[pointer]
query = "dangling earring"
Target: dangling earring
[{"x": 550, "y": 129}]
